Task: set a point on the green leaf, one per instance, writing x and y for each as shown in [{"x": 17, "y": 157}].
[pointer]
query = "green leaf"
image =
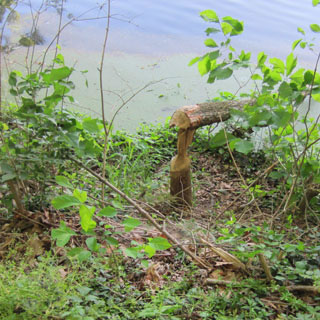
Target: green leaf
[
  {"x": 80, "y": 195},
  {"x": 60, "y": 73},
  {"x": 226, "y": 28},
  {"x": 291, "y": 63},
  {"x": 150, "y": 251},
  {"x": 261, "y": 59},
  {"x": 13, "y": 92},
  {"x": 74, "y": 251},
  {"x": 63, "y": 181},
  {"x": 91, "y": 125},
  {"x": 316, "y": 97},
  {"x": 159, "y": 243},
  {"x": 210, "y": 43},
  {"x": 301, "y": 31},
  {"x": 211, "y": 30},
  {"x": 295, "y": 43},
  {"x": 214, "y": 55},
  {"x": 84, "y": 255},
  {"x": 245, "y": 56},
  {"x": 130, "y": 224},
  {"x": 256, "y": 77},
  {"x": 221, "y": 73},
  {"x": 132, "y": 252},
  {"x": 112, "y": 241},
  {"x": 315, "y": 2},
  {"x": 86, "y": 214},
  {"x": 260, "y": 118},
  {"x": 281, "y": 118},
  {"x": 209, "y": 15},
  {"x": 62, "y": 234},
  {"x": 107, "y": 212},
  {"x": 285, "y": 90},
  {"x": 204, "y": 65},
  {"x": 236, "y": 25},
  {"x": 244, "y": 146},
  {"x": 298, "y": 76},
  {"x": 275, "y": 76},
  {"x": 12, "y": 79},
  {"x": 64, "y": 201},
  {"x": 308, "y": 77},
  {"x": 193, "y": 61},
  {"x": 278, "y": 64},
  {"x": 219, "y": 139},
  {"x": 315, "y": 27},
  {"x": 93, "y": 244}
]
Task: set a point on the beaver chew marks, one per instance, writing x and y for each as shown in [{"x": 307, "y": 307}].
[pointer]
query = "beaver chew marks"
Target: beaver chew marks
[{"x": 188, "y": 119}]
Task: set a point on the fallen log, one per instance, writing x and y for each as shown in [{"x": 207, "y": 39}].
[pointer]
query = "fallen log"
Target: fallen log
[{"x": 188, "y": 119}]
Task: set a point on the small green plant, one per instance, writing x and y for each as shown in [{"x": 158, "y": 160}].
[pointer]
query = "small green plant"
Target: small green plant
[{"x": 280, "y": 87}]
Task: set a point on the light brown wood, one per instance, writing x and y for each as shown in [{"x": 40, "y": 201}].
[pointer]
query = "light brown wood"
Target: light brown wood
[
  {"x": 202, "y": 114},
  {"x": 188, "y": 119}
]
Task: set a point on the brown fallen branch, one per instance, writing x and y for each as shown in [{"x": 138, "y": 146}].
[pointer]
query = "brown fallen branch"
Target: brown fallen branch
[
  {"x": 145, "y": 214},
  {"x": 188, "y": 119},
  {"x": 265, "y": 267},
  {"x": 226, "y": 256}
]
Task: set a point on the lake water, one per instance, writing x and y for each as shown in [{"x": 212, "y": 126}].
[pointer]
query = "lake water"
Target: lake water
[{"x": 153, "y": 41}]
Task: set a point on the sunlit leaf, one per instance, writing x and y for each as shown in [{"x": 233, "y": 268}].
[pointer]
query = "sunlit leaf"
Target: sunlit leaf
[
  {"x": 236, "y": 25},
  {"x": 315, "y": 2},
  {"x": 261, "y": 59},
  {"x": 315, "y": 27},
  {"x": 209, "y": 15},
  {"x": 150, "y": 251},
  {"x": 210, "y": 43},
  {"x": 64, "y": 201},
  {"x": 291, "y": 63},
  {"x": 132, "y": 252},
  {"x": 80, "y": 195},
  {"x": 130, "y": 224},
  {"x": 295, "y": 43},
  {"x": 193, "y": 61},
  {"x": 278, "y": 64},
  {"x": 159, "y": 243},
  {"x": 256, "y": 77},
  {"x": 226, "y": 28},
  {"x": 204, "y": 65},
  {"x": 301, "y": 31},
  {"x": 86, "y": 214},
  {"x": 60, "y": 73},
  {"x": 316, "y": 97}
]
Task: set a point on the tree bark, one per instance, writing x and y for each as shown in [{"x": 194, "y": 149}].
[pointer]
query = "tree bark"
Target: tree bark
[
  {"x": 199, "y": 115},
  {"x": 188, "y": 119}
]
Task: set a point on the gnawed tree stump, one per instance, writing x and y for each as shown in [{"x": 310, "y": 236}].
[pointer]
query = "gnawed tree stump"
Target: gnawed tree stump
[{"x": 188, "y": 119}]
